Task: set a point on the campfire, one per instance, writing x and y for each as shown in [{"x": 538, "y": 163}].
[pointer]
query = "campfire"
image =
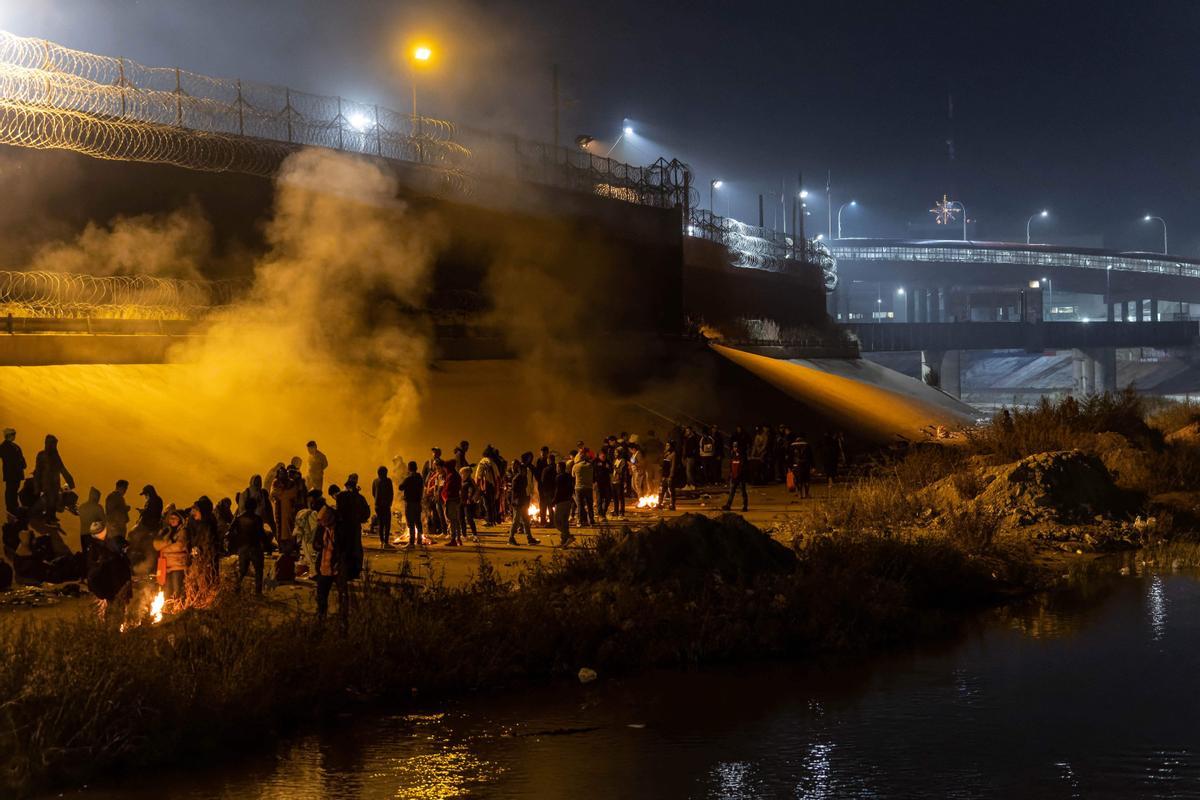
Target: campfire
[
  {"x": 155, "y": 612},
  {"x": 648, "y": 501},
  {"x": 533, "y": 510}
]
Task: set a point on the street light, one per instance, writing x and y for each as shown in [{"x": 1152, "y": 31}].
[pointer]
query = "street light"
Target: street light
[
  {"x": 713, "y": 185},
  {"x": 1149, "y": 217},
  {"x": 964, "y": 210},
  {"x": 804, "y": 194},
  {"x": 422, "y": 54},
  {"x": 626, "y": 130},
  {"x": 1043, "y": 213},
  {"x": 852, "y": 203},
  {"x": 1049, "y": 298}
]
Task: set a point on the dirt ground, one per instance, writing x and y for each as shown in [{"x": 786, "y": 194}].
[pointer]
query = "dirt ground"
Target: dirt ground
[{"x": 454, "y": 566}]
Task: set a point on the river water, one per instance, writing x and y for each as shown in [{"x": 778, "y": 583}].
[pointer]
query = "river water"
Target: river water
[{"x": 1092, "y": 695}]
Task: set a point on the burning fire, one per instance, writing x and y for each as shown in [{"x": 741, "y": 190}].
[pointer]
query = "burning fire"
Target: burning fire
[
  {"x": 156, "y": 608},
  {"x": 533, "y": 510},
  {"x": 156, "y": 612},
  {"x": 648, "y": 501}
]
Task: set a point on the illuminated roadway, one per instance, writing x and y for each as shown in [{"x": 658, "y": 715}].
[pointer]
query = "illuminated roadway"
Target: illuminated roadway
[{"x": 954, "y": 263}]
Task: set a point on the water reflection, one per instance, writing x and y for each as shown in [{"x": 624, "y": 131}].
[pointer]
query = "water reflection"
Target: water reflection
[
  {"x": 1156, "y": 607},
  {"x": 1090, "y": 697}
]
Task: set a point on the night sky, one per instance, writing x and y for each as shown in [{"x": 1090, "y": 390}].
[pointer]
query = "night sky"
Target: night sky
[{"x": 1085, "y": 108}]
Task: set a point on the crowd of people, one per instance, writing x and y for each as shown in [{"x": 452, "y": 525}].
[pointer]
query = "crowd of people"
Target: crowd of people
[{"x": 316, "y": 530}]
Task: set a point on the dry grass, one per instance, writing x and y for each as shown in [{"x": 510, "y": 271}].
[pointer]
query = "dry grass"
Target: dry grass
[{"x": 82, "y": 698}]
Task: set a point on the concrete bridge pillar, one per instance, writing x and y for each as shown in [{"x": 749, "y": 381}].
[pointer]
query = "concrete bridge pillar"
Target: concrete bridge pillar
[
  {"x": 942, "y": 369},
  {"x": 910, "y": 306},
  {"x": 1112, "y": 312},
  {"x": 1077, "y": 359},
  {"x": 1104, "y": 369},
  {"x": 1138, "y": 311},
  {"x": 1089, "y": 375},
  {"x": 1124, "y": 311},
  {"x": 1154, "y": 309},
  {"x": 931, "y": 367},
  {"x": 922, "y": 305},
  {"x": 952, "y": 373}
]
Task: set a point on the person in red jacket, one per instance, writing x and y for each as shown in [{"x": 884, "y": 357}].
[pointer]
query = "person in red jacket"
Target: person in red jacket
[
  {"x": 737, "y": 478},
  {"x": 451, "y": 497}
]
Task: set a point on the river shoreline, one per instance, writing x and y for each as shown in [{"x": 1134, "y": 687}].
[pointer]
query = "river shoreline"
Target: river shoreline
[{"x": 225, "y": 680}]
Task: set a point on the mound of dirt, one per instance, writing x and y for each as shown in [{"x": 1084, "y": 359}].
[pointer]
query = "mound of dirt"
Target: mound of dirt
[
  {"x": 695, "y": 547},
  {"x": 1128, "y": 465},
  {"x": 1061, "y": 486},
  {"x": 1189, "y": 434}
]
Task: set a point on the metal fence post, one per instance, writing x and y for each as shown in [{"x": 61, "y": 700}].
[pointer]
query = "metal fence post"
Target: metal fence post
[
  {"x": 241, "y": 120},
  {"x": 178, "y": 99}
]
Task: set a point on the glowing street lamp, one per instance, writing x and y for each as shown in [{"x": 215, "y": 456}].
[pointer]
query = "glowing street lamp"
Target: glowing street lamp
[
  {"x": 713, "y": 185},
  {"x": 626, "y": 130},
  {"x": 1149, "y": 217},
  {"x": 421, "y": 55},
  {"x": 804, "y": 194},
  {"x": 1043, "y": 214},
  {"x": 852, "y": 204}
]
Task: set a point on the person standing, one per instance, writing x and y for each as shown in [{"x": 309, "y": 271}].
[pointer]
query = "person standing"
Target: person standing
[
  {"x": 670, "y": 476},
  {"x": 383, "y": 493},
  {"x": 412, "y": 488},
  {"x": 801, "y": 466},
  {"x": 522, "y": 491},
  {"x": 286, "y": 499},
  {"x": 205, "y": 539},
  {"x": 172, "y": 547},
  {"x": 737, "y": 478},
  {"x": 314, "y": 476},
  {"x": 690, "y": 453},
  {"x": 248, "y": 538},
  {"x": 90, "y": 511},
  {"x": 602, "y": 478},
  {"x": 451, "y": 498},
  {"x": 116, "y": 514},
  {"x": 546, "y": 476},
  {"x": 49, "y": 471},
  {"x": 333, "y": 563},
  {"x": 487, "y": 479},
  {"x": 710, "y": 473},
  {"x": 13, "y": 467},
  {"x": 469, "y": 503},
  {"x": 584, "y": 474},
  {"x": 620, "y": 481},
  {"x": 564, "y": 492}
]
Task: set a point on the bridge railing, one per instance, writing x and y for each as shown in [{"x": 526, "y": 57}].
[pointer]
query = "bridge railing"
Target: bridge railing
[
  {"x": 56, "y": 97},
  {"x": 1010, "y": 256},
  {"x": 757, "y": 247}
]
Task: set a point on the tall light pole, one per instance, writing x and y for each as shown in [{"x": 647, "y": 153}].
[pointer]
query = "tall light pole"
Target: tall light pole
[
  {"x": 853, "y": 203},
  {"x": 1049, "y": 298},
  {"x": 627, "y": 130},
  {"x": 964, "y": 210},
  {"x": 713, "y": 185},
  {"x": 1043, "y": 213},
  {"x": 1149, "y": 217},
  {"x": 421, "y": 56}
]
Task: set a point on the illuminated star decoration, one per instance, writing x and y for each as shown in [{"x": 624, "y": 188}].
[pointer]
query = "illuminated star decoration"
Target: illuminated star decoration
[{"x": 944, "y": 210}]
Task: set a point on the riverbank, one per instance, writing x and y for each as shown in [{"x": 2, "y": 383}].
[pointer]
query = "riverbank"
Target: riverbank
[{"x": 907, "y": 554}]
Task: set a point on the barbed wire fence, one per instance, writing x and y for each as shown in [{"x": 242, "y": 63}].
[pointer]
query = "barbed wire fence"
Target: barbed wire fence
[{"x": 71, "y": 295}]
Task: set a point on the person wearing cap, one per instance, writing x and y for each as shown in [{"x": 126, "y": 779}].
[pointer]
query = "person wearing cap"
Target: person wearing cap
[
  {"x": 12, "y": 464},
  {"x": 314, "y": 476},
  {"x": 49, "y": 471}
]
